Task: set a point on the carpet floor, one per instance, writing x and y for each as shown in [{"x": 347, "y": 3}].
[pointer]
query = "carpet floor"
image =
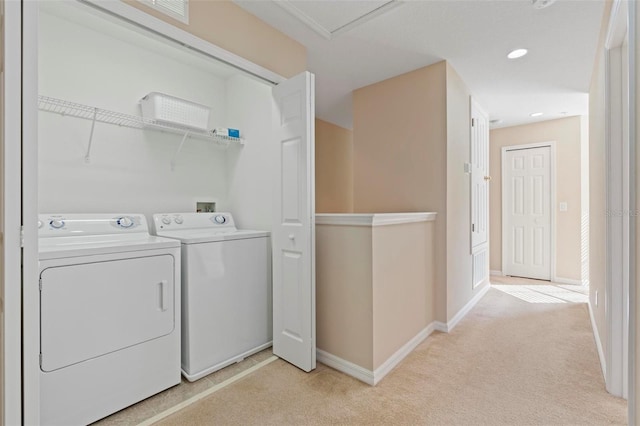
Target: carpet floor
[{"x": 509, "y": 362}]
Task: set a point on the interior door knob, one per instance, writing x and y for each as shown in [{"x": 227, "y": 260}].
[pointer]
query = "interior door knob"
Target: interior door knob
[{"x": 487, "y": 178}]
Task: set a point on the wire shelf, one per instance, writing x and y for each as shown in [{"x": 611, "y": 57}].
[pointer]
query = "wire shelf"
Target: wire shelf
[{"x": 73, "y": 109}]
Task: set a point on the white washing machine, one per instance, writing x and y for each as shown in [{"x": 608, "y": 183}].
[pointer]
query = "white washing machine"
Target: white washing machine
[
  {"x": 226, "y": 290},
  {"x": 109, "y": 315}
]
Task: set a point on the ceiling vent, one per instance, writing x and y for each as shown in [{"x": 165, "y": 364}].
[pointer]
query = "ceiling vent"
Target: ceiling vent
[
  {"x": 330, "y": 18},
  {"x": 541, "y": 4},
  {"x": 177, "y": 9}
]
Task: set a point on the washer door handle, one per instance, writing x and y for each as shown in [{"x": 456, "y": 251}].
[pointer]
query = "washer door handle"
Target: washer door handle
[{"x": 292, "y": 237}]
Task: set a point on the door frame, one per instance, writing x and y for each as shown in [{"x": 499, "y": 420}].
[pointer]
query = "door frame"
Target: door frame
[
  {"x": 552, "y": 203},
  {"x": 10, "y": 230},
  {"x": 26, "y": 167},
  {"x": 620, "y": 202}
]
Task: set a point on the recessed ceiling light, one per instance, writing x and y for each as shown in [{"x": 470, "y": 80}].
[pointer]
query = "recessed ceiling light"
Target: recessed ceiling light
[
  {"x": 536, "y": 114},
  {"x": 518, "y": 53}
]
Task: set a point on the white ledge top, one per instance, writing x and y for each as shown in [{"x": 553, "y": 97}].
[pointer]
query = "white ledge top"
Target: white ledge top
[{"x": 373, "y": 219}]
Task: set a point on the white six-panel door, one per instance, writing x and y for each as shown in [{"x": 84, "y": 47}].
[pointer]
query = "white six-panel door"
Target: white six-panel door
[
  {"x": 527, "y": 212},
  {"x": 294, "y": 336},
  {"x": 479, "y": 177},
  {"x": 479, "y": 194}
]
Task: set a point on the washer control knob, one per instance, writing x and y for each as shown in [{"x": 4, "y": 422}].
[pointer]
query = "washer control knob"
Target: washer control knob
[
  {"x": 220, "y": 219},
  {"x": 124, "y": 222},
  {"x": 56, "y": 223},
  {"x": 178, "y": 220},
  {"x": 40, "y": 224},
  {"x": 166, "y": 220}
]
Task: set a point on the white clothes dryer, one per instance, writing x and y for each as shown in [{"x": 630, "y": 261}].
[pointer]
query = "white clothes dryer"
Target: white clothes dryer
[
  {"x": 109, "y": 315},
  {"x": 226, "y": 289}
]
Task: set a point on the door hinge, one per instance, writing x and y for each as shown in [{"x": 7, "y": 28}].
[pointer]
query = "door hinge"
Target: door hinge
[
  {"x": 473, "y": 122},
  {"x": 21, "y": 236},
  {"x": 473, "y": 229}
]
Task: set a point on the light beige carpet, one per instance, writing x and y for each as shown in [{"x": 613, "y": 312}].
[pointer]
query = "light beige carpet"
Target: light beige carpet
[{"x": 509, "y": 362}]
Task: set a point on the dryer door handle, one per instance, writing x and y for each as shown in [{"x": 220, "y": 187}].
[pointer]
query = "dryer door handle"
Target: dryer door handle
[{"x": 163, "y": 293}]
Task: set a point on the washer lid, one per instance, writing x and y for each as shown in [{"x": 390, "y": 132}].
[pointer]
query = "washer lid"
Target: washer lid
[{"x": 197, "y": 236}]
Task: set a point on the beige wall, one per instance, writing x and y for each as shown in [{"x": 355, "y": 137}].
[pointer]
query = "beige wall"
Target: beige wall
[
  {"x": 567, "y": 134},
  {"x": 597, "y": 201},
  {"x": 232, "y": 28},
  {"x": 403, "y": 274},
  {"x": 411, "y": 138},
  {"x": 344, "y": 293},
  {"x": 373, "y": 289},
  {"x": 334, "y": 168},
  {"x": 459, "y": 260},
  {"x": 400, "y": 154}
]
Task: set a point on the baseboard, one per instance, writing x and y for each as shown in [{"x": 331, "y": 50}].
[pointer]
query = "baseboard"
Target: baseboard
[
  {"x": 560, "y": 280},
  {"x": 496, "y": 273},
  {"x": 440, "y": 326},
  {"x": 450, "y": 325},
  {"x": 345, "y": 367},
  {"x": 373, "y": 377},
  {"x": 402, "y": 353},
  {"x": 596, "y": 337}
]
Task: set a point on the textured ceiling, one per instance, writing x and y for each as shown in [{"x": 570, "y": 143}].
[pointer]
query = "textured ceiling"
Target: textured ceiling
[{"x": 474, "y": 36}]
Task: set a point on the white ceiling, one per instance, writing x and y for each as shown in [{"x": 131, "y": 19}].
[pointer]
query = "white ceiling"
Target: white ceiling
[{"x": 473, "y": 35}]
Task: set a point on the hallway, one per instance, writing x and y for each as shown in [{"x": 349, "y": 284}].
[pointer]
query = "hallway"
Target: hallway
[{"x": 508, "y": 362}]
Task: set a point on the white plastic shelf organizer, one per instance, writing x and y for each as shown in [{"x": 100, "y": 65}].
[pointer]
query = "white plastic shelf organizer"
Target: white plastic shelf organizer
[{"x": 73, "y": 109}]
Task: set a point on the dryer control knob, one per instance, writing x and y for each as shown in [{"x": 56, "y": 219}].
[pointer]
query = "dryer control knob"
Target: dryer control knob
[
  {"x": 178, "y": 220},
  {"x": 166, "y": 220},
  {"x": 40, "y": 224},
  {"x": 124, "y": 222},
  {"x": 56, "y": 223},
  {"x": 220, "y": 219}
]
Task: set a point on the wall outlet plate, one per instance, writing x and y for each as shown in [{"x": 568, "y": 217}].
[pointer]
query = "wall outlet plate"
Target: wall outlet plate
[{"x": 564, "y": 206}]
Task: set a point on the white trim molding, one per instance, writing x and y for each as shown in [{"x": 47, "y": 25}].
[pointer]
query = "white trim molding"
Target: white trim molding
[
  {"x": 596, "y": 337},
  {"x": 373, "y": 219},
  {"x": 373, "y": 377},
  {"x": 451, "y": 324},
  {"x": 619, "y": 165},
  {"x": 496, "y": 273},
  {"x": 552, "y": 206},
  {"x": 346, "y": 367},
  {"x": 570, "y": 281},
  {"x": 11, "y": 388}
]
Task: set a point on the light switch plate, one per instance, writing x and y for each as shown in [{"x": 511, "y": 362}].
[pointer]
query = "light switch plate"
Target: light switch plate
[
  {"x": 467, "y": 167},
  {"x": 564, "y": 207}
]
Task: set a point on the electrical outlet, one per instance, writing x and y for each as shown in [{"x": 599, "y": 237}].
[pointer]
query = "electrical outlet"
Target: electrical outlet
[
  {"x": 596, "y": 298},
  {"x": 564, "y": 206}
]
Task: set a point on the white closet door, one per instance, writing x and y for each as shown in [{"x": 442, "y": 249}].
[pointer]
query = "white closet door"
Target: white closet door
[
  {"x": 479, "y": 177},
  {"x": 479, "y": 195},
  {"x": 293, "y": 233},
  {"x": 527, "y": 212}
]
